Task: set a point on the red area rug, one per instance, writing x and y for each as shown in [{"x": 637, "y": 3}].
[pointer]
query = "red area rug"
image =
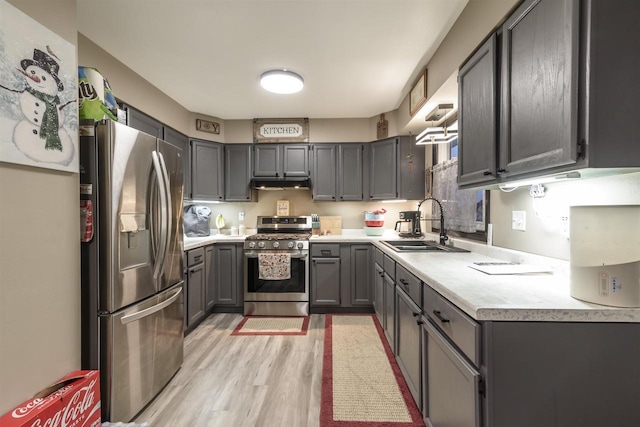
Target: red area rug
[
  {"x": 362, "y": 384},
  {"x": 269, "y": 325}
]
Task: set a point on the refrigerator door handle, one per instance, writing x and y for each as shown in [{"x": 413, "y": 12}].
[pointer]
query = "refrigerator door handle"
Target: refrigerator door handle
[
  {"x": 149, "y": 311},
  {"x": 161, "y": 252},
  {"x": 169, "y": 214}
]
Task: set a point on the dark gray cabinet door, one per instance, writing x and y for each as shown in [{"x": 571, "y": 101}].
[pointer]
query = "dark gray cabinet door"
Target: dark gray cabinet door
[
  {"x": 139, "y": 120},
  {"x": 409, "y": 343},
  {"x": 361, "y": 283},
  {"x": 237, "y": 167},
  {"x": 295, "y": 160},
  {"x": 207, "y": 170},
  {"x": 195, "y": 294},
  {"x": 210, "y": 278},
  {"x": 323, "y": 177},
  {"x": 410, "y": 184},
  {"x": 227, "y": 275},
  {"x": 539, "y": 115},
  {"x": 267, "y": 161},
  {"x": 181, "y": 141},
  {"x": 383, "y": 157},
  {"x": 389, "y": 310},
  {"x": 325, "y": 281},
  {"x": 350, "y": 170},
  {"x": 478, "y": 116},
  {"x": 378, "y": 300}
]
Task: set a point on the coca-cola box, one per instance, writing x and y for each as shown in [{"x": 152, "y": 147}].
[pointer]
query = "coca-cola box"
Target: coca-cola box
[{"x": 73, "y": 401}]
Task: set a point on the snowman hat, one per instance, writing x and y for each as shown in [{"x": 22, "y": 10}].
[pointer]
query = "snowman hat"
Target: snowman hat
[{"x": 47, "y": 63}]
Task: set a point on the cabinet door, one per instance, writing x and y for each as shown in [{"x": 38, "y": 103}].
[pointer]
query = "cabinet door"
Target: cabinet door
[
  {"x": 226, "y": 272},
  {"x": 139, "y": 120},
  {"x": 378, "y": 301},
  {"x": 389, "y": 310},
  {"x": 350, "y": 171},
  {"x": 383, "y": 157},
  {"x": 207, "y": 170},
  {"x": 210, "y": 278},
  {"x": 361, "y": 284},
  {"x": 181, "y": 141},
  {"x": 295, "y": 160},
  {"x": 267, "y": 161},
  {"x": 409, "y": 343},
  {"x": 539, "y": 87},
  {"x": 478, "y": 116},
  {"x": 195, "y": 294},
  {"x": 237, "y": 167},
  {"x": 325, "y": 281},
  {"x": 323, "y": 180}
]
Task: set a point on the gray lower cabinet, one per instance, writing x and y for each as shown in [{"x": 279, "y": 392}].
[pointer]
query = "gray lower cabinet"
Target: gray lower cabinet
[
  {"x": 237, "y": 173},
  {"x": 378, "y": 299},
  {"x": 229, "y": 276},
  {"x": 210, "y": 278},
  {"x": 207, "y": 178},
  {"x": 409, "y": 342},
  {"x": 361, "y": 285},
  {"x": 389, "y": 310},
  {"x": 325, "y": 281},
  {"x": 195, "y": 287}
]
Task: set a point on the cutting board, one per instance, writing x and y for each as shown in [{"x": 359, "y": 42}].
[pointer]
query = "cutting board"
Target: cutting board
[{"x": 329, "y": 225}]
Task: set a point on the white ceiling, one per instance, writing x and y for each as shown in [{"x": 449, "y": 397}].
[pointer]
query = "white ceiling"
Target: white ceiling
[{"x": 358, "y": 57}]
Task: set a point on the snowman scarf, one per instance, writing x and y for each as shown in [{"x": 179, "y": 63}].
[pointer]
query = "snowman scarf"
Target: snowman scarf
[{"x": 49, "y": 125}]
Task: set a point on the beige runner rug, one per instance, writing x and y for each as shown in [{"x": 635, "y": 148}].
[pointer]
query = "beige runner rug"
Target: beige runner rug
[
  {"x": 269, "y": 325},
  {"x": 361, "y": 382}
]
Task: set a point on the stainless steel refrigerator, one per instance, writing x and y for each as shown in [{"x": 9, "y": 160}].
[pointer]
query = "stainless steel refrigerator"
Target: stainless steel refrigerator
[{"x": 132, "y": 264}]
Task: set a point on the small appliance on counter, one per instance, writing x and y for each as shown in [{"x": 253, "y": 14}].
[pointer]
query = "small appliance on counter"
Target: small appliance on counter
[
  {"x": 374, "y": 222},
  {"x": 409, "y": 224},
  {"x": 605, "y": 254}
]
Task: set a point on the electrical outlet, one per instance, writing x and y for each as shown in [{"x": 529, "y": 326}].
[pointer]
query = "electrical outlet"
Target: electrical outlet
[
  {"x": 519, "y": 220},
  {"x": 564, "y": 226},
  {"x": 241, "y": 216}
]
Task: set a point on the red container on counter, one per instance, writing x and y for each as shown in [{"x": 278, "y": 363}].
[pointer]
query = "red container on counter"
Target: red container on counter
[
  {"x": 374, "y": 223},
  {"x": 74, "y": 400}
]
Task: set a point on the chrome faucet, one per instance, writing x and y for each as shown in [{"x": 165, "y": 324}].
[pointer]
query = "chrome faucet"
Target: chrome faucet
[{"x": 443, "y": 233}]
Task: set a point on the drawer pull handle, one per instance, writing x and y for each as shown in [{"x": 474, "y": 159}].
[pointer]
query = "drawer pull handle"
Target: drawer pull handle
[
  {"x": 404, "y": 282},
  {"x": 439, "y": 316},
  {"x": 197, "y": 258},
  {"x": 415, "y": 314},
  {"x": 325, "y": 252},
  {"x": 419, "y": 322}
]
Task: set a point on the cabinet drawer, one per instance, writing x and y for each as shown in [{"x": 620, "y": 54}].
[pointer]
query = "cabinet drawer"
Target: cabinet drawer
[
  {"x": 460, "y": 328},
  {"x": 325, "y": 250},
  {"x": 378, "y": 257},
  {"x": 195, "y": 256},
  {"x": 389, "y": 266},
  {"x": 409, "y": 283}
]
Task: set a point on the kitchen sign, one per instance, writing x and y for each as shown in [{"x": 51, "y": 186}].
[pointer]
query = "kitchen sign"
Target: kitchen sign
[{"x": 281, "y": 130}]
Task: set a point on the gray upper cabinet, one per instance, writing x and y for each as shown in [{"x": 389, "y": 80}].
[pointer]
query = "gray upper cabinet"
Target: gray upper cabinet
[
  {"x": 539, "y": 87},
  {"x": 280, "y": 160},
  {"x": 350, "y": 172},
  {"x": 410, "y": 178},
  {"x": 558, "y": 71},
  {"x": 478, "y": 116},
  {"x": 181, "y": 141},
  {"x": 237, "y": 177},
  {"x": 207, "y": 170},
  {"x": 139, "y": 120},
  {"x": 383, "y": 156},
  {"x": 323, "y": 175}
]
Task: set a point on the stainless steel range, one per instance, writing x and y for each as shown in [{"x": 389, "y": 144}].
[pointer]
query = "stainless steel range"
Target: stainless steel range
[{"x": 276, "y": 266}]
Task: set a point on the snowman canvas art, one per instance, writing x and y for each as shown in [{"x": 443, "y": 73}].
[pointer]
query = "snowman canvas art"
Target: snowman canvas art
[{"x": 38, "y": 94}]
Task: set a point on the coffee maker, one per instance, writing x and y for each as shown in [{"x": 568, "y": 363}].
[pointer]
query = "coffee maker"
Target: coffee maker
[{"x": 409, "y": 224}]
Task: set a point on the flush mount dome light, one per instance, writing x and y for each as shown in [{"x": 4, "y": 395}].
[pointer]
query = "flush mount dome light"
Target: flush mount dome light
[{"x": 281, "y": 81}]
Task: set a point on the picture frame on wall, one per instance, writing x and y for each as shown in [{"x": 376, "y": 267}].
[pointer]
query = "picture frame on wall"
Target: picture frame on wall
[
  {"x": 418, "y": 94},
  {"x": 38, "y": 94}
]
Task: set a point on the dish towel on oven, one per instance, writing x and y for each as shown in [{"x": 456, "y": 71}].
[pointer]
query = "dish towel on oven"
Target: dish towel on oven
[{"x": 274, "y": 266}]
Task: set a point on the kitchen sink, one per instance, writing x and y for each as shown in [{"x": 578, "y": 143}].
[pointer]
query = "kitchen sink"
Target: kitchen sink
[{"x": 419, "y": 246}]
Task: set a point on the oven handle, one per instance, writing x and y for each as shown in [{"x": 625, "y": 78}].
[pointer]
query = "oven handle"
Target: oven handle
[{"x": 295, "y": 255}]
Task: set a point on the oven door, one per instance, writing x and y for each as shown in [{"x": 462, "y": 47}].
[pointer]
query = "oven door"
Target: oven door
[{"x": 294, "y": 289}]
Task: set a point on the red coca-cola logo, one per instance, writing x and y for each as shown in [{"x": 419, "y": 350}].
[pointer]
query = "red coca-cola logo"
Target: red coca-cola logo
[{"x": 23, "y": 411}]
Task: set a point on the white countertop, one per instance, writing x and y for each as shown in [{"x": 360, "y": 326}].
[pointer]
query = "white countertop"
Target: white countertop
[{"x": 524, "y": 297}]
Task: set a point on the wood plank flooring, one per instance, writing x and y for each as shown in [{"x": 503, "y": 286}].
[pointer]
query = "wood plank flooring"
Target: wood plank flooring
[{"x": 243, "y": 381}]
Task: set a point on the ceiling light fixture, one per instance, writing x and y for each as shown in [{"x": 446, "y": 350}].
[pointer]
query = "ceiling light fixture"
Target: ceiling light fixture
[
  {"x": 281, "y": 81},
  {"x": 444, "y": 131}
]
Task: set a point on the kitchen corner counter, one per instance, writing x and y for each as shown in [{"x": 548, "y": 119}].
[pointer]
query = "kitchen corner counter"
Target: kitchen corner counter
[{"x": 196, "y": 242}]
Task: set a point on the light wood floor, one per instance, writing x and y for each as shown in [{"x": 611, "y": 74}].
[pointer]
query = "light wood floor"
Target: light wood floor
[{"x": 243, "y": 381}]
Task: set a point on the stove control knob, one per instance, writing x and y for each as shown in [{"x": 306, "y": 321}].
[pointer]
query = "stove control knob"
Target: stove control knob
[
  {"x": 300, "y": 245},
  {"x": 252, "y": 245},
  {"x": 261, "y": 245},
  {"x": 290, "y": 245},
  {"x": 276, "y": 244}
]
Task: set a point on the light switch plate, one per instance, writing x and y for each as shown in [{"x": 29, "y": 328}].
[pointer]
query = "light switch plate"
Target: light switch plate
[
  {"x": 240, "y": 216},
  {"x": 519, "y": 220}
]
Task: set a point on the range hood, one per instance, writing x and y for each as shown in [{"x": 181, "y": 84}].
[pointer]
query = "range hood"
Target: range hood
[{"x": 280, "y": 184}]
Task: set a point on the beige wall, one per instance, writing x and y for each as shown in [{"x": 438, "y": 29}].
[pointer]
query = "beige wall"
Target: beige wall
[{"x": 39, "y": 258}]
